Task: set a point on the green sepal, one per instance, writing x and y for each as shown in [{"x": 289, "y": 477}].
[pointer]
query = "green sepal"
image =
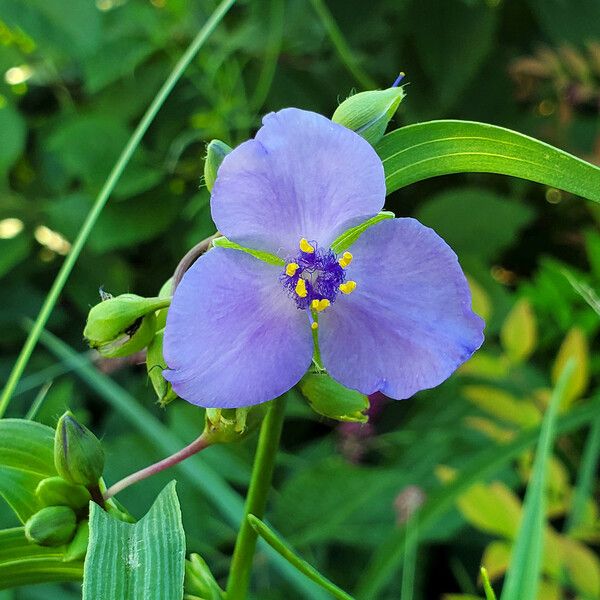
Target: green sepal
[
  {"x": 368, "y": 113},
  {"x": 155, "y": 365},
  {"x": 216, "y": 151},
  {"x": 272, "y": 259},
  {"x": 223, "y": 425},
  {"x": 51, "y": 526},
  {"x": 346, "y": 239},
  {"x": 331, "y": 399},
  {"x": 55, "y": 491},
  {"x": 166, "y": 291}
]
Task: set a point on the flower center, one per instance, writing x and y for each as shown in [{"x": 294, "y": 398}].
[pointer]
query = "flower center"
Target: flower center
[{"x": 316, "y": 275}]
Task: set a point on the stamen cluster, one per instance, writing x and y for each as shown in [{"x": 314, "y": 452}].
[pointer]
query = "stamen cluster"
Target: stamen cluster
[{"x": 314, "y": 274}]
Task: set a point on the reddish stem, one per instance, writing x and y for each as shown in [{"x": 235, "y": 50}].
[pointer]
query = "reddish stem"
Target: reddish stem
[{"x": 193, "y": 448}]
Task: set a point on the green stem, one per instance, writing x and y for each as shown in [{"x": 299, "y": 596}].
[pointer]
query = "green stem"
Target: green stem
[
  {"x": 256, "y": 501},
  {"x": 105, "y": 192}
]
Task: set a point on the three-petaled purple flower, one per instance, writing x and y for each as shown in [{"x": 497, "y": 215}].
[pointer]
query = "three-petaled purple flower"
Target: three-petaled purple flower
[{"x": 392, "y": 313}]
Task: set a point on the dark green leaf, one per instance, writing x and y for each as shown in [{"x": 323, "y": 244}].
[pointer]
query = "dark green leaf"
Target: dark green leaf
[{"x": 26, "y": 457}]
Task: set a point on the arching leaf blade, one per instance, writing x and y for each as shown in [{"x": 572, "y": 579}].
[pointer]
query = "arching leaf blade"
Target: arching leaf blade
[{"x": 434, "y": 148}]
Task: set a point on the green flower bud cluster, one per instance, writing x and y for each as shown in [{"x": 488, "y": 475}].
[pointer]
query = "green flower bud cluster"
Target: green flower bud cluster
[
  {"x": 199, "y": 581},
  {"x": 368, "y": 113},
  {"x": 65, "y": 498},
  {"x": 123, "y": 325}
]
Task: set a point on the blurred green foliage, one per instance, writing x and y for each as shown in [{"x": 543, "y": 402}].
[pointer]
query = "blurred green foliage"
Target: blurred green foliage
[{"x": 76, "y": 78}]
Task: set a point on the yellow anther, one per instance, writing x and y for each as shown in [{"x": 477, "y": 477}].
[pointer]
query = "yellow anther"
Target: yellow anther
[
  {"x": 314, "y": 325},
  {"x": 301, "y": 288},
  {"x": 320, "y": 305},
  {"x": 306, "y": 247},
  {"x": 291, "y": 268},
  {"x": 345, "y": 260},
  {"x": 348, "y": 287}
]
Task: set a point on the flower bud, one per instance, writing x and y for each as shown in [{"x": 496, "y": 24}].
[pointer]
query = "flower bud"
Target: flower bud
[
  {"x": 155, "y": 365},
  {"x": 166, "y": 291},
  {"x": 122, "y": 325},
  {"x": 368, "y": 113},
  {"x": 78, "y": 545},
  {"x": 216, "y": 151},
  {"x": 224, "y": 425},
  {"x": 55, "y": 491},
  {"x": 78, "y": 455},
  {"x": 199, "y": 581},
  {"x": 51, "y": 526}
]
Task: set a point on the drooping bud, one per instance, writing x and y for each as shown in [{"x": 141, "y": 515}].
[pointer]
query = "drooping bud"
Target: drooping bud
[
  {"x": 166, "y": 291},
  {"x": 368, "y": 113},
  {"x": 224, "y": 425},
  {"x": 216, "y": 151},
  {"x": 155, "y": 365},
  {"x": 122, "y": 325},
  {"x": 78, "y": 455},
  {"x": 55, "y": 491},
  {"x": 51, "y": 526}
]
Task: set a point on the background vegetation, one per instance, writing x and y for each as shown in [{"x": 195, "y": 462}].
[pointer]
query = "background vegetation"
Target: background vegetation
[{"x": 77, "y": 76}]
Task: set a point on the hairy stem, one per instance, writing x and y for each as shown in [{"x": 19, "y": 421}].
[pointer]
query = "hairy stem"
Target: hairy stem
[
  {"x": 105, "y": 192},
  {"x": 256, "y": 501},
  {"x": 196, "y": 446}
]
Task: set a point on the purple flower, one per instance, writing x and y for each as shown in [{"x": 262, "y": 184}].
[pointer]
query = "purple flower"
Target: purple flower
[{"x": 393, "y": 315}]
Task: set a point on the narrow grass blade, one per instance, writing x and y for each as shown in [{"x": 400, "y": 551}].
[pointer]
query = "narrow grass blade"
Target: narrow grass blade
[
  {"x": 585, "y": 481},
  {"x": 280, "y": 546},
  {"x": 38, "y": 401},
  {"x": 386, "y": 561},
  {"x": 523, "y": 576},
  {"x": 424, "y": 150},
  {"x": 341, "y": 46},
  {"x": 105, "y": 192},
  {"x": 410, "y": 558},
  {"x": 206, "y": 480}
]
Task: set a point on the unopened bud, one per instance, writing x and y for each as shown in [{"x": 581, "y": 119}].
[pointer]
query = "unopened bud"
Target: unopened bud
[
  {"x": 368, "y": 113},
  {"x": 78, "y": 545},
  {"x": 155, "y": 365},
  {"x": 232, "y": 424},
  {"x": 216, "y": 151},
  {"x": 166, "y": 291},
  {"x": 55, "y": 491},
  {"x": 51, "y": 526},
  {"x": 78, "y": 455},
  {"x": 122, "y": 325},
  {"x": 199, "y": 581}
]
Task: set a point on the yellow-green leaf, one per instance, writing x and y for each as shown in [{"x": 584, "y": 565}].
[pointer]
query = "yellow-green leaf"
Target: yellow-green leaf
[
  {"x": 482, "y": 304},
  {"x": 503, "y": 405},
  {"x": 519, "y": 332},
  {"x": 496, "y": 558},
  {"x": 574, "y": 346}
]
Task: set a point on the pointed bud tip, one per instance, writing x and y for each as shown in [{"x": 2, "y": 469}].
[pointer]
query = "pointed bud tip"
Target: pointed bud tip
[{"x": 216, "y": 151}]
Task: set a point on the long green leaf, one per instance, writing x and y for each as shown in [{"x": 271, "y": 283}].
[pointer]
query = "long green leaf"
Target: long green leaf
[
  {"x": 103, "y": 196},
  {"x": 523, "y": 577},
  {"x": 26, "y": 457},
  {"x": 206, "y": 480},
  {"x": 424, "y": 150},
  {"x": 280, "y": 546},
  {"x": 388, "y": 557},
  {"x": 22, "y": 562},
  {"x": 137, "y": 560}
]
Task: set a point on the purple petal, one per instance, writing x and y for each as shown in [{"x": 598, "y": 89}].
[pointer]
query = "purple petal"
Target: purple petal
[
  {"x": 302, "y": 176},
  {"x": 233, "y": 336},
  {"x": 409, "y": 324}
]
